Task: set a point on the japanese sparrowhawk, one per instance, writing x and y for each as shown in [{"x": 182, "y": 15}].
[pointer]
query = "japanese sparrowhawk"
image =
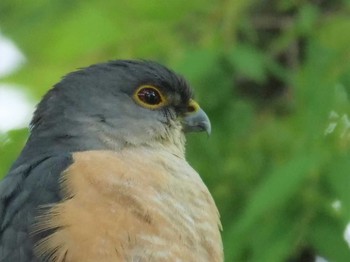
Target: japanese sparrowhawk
[{"x": 103, "y": 175}]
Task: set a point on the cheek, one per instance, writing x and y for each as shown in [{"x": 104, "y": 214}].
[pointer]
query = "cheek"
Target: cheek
[
  {"x": 144, "y": 122},
  {"x": 143, "y": 131},
  {"x": 169, "y": 115},
  {"x": 135, "y": 121}
]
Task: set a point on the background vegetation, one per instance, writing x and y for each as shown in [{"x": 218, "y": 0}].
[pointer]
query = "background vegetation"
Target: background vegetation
[{"x": 274, "y": 77}]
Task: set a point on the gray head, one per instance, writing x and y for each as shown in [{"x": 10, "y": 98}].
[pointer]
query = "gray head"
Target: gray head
[{"x": 115, "y": 105}]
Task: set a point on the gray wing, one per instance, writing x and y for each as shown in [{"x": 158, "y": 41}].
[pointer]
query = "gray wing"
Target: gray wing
[{"x": 22, "y": 192}]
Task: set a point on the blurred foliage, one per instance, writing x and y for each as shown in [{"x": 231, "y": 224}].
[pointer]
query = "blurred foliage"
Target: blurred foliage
[{"x": 274, "y": 76}]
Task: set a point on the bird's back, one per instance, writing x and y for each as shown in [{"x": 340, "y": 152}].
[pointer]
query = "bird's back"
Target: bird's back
[{"x": 24, "y": 193}]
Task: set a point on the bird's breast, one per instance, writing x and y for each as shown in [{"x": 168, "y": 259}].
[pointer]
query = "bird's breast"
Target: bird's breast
[{"x": 132, "y": 205}]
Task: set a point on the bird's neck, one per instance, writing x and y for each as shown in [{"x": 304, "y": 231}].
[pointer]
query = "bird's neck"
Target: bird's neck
[{"x": 49, "y": 144}]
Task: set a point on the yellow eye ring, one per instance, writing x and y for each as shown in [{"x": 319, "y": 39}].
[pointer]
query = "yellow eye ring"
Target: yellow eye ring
[{"x": 149, "y": 97}]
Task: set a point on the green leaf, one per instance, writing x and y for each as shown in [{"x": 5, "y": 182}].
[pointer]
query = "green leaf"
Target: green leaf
[
  {"x": 275, "y": 191},
  {"x": 339, "y": 180},
  {"x": 248, "y": 61},
  {"x": 327, "y": 237},
  {"x": 10, "y": 147}
]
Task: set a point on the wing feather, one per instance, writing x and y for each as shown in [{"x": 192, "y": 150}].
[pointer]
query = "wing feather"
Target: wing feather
[{"x": 23, "y": 193}]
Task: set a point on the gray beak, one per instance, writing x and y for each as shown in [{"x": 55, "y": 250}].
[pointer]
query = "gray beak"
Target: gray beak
[{"x": 197, "y": 120}]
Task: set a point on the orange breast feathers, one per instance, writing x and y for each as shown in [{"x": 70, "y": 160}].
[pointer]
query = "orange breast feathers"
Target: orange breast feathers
[{"x": 134, "y": 205}]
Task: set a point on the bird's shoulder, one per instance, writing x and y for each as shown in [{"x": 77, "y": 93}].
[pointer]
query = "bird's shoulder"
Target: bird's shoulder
[{"x": 27, "y": 188}]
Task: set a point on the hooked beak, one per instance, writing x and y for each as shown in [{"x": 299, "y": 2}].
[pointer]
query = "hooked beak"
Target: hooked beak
[{"x": 196, "y": 120}]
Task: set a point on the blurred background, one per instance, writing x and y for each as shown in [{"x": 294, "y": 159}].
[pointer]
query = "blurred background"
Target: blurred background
[{"x": 273, "y": 76}]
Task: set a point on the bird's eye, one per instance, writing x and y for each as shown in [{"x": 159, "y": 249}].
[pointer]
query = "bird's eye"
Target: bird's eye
[{"x": 149, "y": 97}]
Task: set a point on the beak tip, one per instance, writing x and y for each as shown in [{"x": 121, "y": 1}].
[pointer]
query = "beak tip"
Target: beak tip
[
  {"x": 197, "y": 122},
  {"x": 207, "y": 127}
]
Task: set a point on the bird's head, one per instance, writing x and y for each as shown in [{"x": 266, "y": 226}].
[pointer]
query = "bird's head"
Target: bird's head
[{"x": 118, "y": 104}]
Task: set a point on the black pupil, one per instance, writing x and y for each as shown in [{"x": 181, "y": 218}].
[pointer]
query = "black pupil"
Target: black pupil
[{"x": 149, "y": 96}]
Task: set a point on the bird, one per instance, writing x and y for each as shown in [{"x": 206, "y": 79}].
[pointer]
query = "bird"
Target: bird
[{"x": 103, "y": 175}]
